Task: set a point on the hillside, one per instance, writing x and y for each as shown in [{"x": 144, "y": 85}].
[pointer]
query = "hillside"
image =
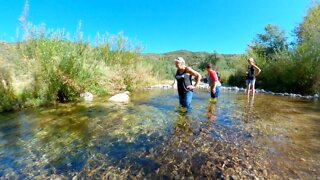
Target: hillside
[{"x": 225, "y": 63}]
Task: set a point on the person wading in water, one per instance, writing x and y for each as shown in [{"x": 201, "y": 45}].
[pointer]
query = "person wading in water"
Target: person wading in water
[{"x": 251, "y": 75}]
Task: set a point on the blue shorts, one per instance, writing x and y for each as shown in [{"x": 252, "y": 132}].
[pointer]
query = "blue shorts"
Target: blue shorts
[{"x": 250, "y": 81}]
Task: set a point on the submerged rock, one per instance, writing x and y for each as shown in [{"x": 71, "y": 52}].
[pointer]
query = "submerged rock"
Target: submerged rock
[{"x": 121, "y": 97}]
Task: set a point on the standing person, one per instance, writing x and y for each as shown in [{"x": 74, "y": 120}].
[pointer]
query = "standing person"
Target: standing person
[
  {"x": 184, "y": 82},
  {"x": 213, "y": 81},
  {"x": 251, "y": 75}
]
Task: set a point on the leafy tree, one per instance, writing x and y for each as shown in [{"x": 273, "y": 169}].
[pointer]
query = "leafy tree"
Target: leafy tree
[
  {"x": 268, "y": 44},
  {"x": 307, "y": 50},
  {"x": 211, "y": 58},
  {"x": 310, "y": 27}
]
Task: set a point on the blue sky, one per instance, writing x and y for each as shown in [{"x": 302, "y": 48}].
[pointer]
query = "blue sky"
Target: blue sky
[{"x": 225, "y": 26}]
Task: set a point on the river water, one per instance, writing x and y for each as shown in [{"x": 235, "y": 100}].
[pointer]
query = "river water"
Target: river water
[{"x": 234, "y": 137}]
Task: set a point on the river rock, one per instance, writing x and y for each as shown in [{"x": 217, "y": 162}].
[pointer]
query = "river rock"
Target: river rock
[
  {"x": 308, "y": 97},
  {"x": 202, "y": 85},
  {"x": 235, "y": 88},
  {"x": 87, "y": 96},
  {"x": 121, "y": 97}
]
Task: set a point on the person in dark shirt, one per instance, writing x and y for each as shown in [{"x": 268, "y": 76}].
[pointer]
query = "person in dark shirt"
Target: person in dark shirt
[
  {"x": 252, "y": 72},
  {"x": 184, "y": 82}
]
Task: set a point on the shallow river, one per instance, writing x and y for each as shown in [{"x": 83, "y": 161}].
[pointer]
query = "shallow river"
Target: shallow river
[{"x": 235, "y": 137}]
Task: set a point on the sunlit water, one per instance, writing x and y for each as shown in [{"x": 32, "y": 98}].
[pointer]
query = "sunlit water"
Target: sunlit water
[{"x": 239, "y": 137}]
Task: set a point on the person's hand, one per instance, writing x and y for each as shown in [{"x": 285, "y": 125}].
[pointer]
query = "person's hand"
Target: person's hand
[
  {"x": 190, "y": 87},
  {"x": 214, "y": 90}
]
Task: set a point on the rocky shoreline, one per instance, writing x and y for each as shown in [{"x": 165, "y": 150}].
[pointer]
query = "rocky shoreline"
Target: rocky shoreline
[{"x": 240, "y": 89}]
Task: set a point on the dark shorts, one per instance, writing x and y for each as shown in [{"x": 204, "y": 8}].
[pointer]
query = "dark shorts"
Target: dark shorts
[{"x": 215, "y": 95}]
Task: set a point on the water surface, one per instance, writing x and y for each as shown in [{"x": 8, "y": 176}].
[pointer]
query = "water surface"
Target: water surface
[{"x": 239, "y": 137}]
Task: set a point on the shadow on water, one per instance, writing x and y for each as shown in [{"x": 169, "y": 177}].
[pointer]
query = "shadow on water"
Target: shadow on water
[{"x": 233, "y": 137}]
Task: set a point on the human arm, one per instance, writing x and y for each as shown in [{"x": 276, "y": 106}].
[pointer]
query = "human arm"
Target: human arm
[
  {"x": 196, "y": 75},
  {"x": 258, "y": 69}
]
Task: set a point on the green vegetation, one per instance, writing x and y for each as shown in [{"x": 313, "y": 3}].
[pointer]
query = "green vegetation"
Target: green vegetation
[
  {"x": 164, "y": 67},
  {"x": 49, "y": 67},
  {"x": 294, "y": 68}
]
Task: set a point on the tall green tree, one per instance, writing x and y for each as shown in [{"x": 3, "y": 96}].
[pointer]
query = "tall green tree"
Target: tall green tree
[
  {"x": 307, "y": 50},
  {"x": 309, "y": 29},
  {"x": 266, "y": 45},
  {"x": 211, "y": 58}
]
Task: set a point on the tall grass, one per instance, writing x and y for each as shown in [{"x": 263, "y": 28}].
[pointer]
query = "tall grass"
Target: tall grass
[
  {"x": 60, "y": 68},
  {"x": 8, "y": 98},
  {"x": 163, "y": 68}
]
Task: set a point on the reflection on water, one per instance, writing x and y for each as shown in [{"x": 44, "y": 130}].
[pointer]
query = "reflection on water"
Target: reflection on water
[{"x": 233, "y": 137}]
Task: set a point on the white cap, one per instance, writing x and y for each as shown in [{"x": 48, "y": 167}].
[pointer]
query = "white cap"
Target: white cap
[{"x": 180, "y": 60}]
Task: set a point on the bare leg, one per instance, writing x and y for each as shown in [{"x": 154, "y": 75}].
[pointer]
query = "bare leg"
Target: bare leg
[
  {"x": 253, "y": 90},
  {"x": 248, "y": 89}
]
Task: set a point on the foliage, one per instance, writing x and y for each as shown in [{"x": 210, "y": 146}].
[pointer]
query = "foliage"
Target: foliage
[
  {"x": 237, "y": 79},
  {"x": 62, "y": 68},
  {"x": 210, "y": 59},
  {"x": 309, "y": 28},
  {"x": 293, "y": 70},
  {"x": 268, "y": 44},
  {"x": 7, "y": 99},
  {"x": 165, "y": 69}
]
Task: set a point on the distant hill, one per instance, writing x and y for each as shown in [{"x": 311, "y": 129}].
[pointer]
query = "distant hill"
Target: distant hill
[{"x": 192, "y": 58}]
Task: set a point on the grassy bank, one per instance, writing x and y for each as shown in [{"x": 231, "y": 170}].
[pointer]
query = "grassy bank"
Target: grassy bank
[{"x": 50, "y": 67}]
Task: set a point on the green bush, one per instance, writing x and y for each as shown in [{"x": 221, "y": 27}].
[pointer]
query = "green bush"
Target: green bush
[
  {"x": 8, "y": 98},
  {"x": 237, "y": 79},
  {"x": 61, "y": 69}
]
